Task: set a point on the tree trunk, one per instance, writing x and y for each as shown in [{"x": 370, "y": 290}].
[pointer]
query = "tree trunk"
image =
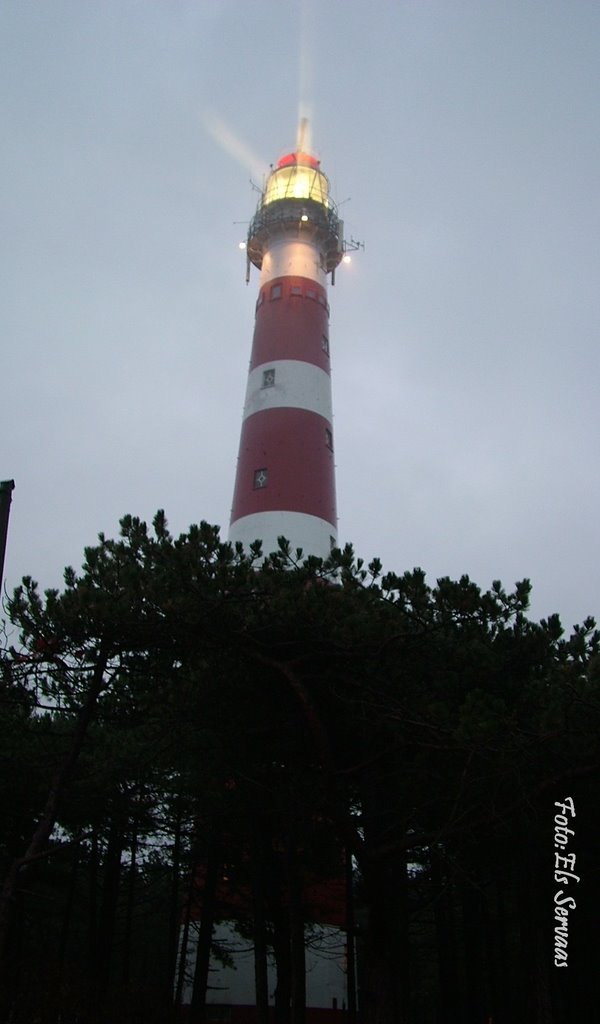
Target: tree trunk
[
  {"x": 534, "y": 958},
  {"x": 261, "y": 976},
  {"x": 505, "y": 975},
  {"x": 297, "y": 935},
  {"x": 174, "y": 906},
  {"x": 350, "y": 939},
  {"x": 126, "y": 966},
  {"x": 445, "y": 928},
  {"x": 108, "y": 911},
  {"x": 183, "y": 950},
  {"x": 68, "y": 910},
  {"x": 474, "y": 949},
  {"x": 10, "y": 972},
  {"x": 207, "y": 920},
  {"x": 281, "y": 950},
  {"x": 93, "y": 905},
  {"x": 386, "y": 996}
]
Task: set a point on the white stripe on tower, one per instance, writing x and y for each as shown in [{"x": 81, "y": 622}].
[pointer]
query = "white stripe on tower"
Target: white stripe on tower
[{"x": 285, "y": 481}]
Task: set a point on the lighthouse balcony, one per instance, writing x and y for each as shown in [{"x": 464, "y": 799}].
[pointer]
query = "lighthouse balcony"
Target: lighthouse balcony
[{"x": 297, "y": 219}]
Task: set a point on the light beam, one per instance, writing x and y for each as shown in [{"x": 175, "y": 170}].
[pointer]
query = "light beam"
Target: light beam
[
  {"x": 231, "y": 144},
  {"x": 305, "y": 77}
]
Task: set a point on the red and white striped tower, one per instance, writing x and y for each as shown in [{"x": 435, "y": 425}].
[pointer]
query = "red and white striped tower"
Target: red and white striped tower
[{"x": 285, "y": 481}]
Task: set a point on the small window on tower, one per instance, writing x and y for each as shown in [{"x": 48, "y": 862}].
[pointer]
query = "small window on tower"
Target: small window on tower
[
  {"x": 328, "y": 438},
  {"x": 276, "y": 291},
  {"x": 296, "y": 289},
  {"x": 260, "y": 478},
  {"x": 268, "y": 378},
  {"x": 325, "y": 344},
  {"x": 310, "y": 293}
]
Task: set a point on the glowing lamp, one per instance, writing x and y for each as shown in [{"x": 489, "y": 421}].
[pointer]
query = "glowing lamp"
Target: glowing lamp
[{"x": 297, "y": 176}]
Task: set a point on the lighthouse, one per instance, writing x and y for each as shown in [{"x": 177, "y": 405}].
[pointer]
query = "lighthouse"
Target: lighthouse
[
  {"x": 285, "y": 479},
  {"x": 284, "y": 487}
]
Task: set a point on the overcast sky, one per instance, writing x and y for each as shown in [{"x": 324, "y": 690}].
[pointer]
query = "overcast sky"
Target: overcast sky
[{"x": 464, "y": 339}]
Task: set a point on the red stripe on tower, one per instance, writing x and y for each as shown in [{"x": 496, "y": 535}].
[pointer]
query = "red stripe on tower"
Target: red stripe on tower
[{"x": 285, "y": 481}]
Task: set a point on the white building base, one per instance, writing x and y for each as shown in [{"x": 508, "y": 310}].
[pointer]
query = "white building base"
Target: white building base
[{"x": 234, "y": 986}]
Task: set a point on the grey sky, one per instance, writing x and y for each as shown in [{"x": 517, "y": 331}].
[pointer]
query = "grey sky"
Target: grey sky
[{"x": 464, "y": 340}]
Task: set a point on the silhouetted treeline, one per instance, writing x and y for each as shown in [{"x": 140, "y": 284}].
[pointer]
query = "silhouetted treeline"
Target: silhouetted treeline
[{"x": 181, "y": 714}]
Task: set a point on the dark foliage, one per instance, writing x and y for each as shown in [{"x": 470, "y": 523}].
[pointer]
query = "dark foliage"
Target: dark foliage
[{"x": 180, "y": 711}]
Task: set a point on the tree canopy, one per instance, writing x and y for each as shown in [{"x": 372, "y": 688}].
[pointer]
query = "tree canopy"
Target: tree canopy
[{"x": 180, "y": 704}]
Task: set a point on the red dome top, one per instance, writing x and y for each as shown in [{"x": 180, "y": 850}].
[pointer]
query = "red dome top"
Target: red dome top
[{"x": 298, "y": 158}]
